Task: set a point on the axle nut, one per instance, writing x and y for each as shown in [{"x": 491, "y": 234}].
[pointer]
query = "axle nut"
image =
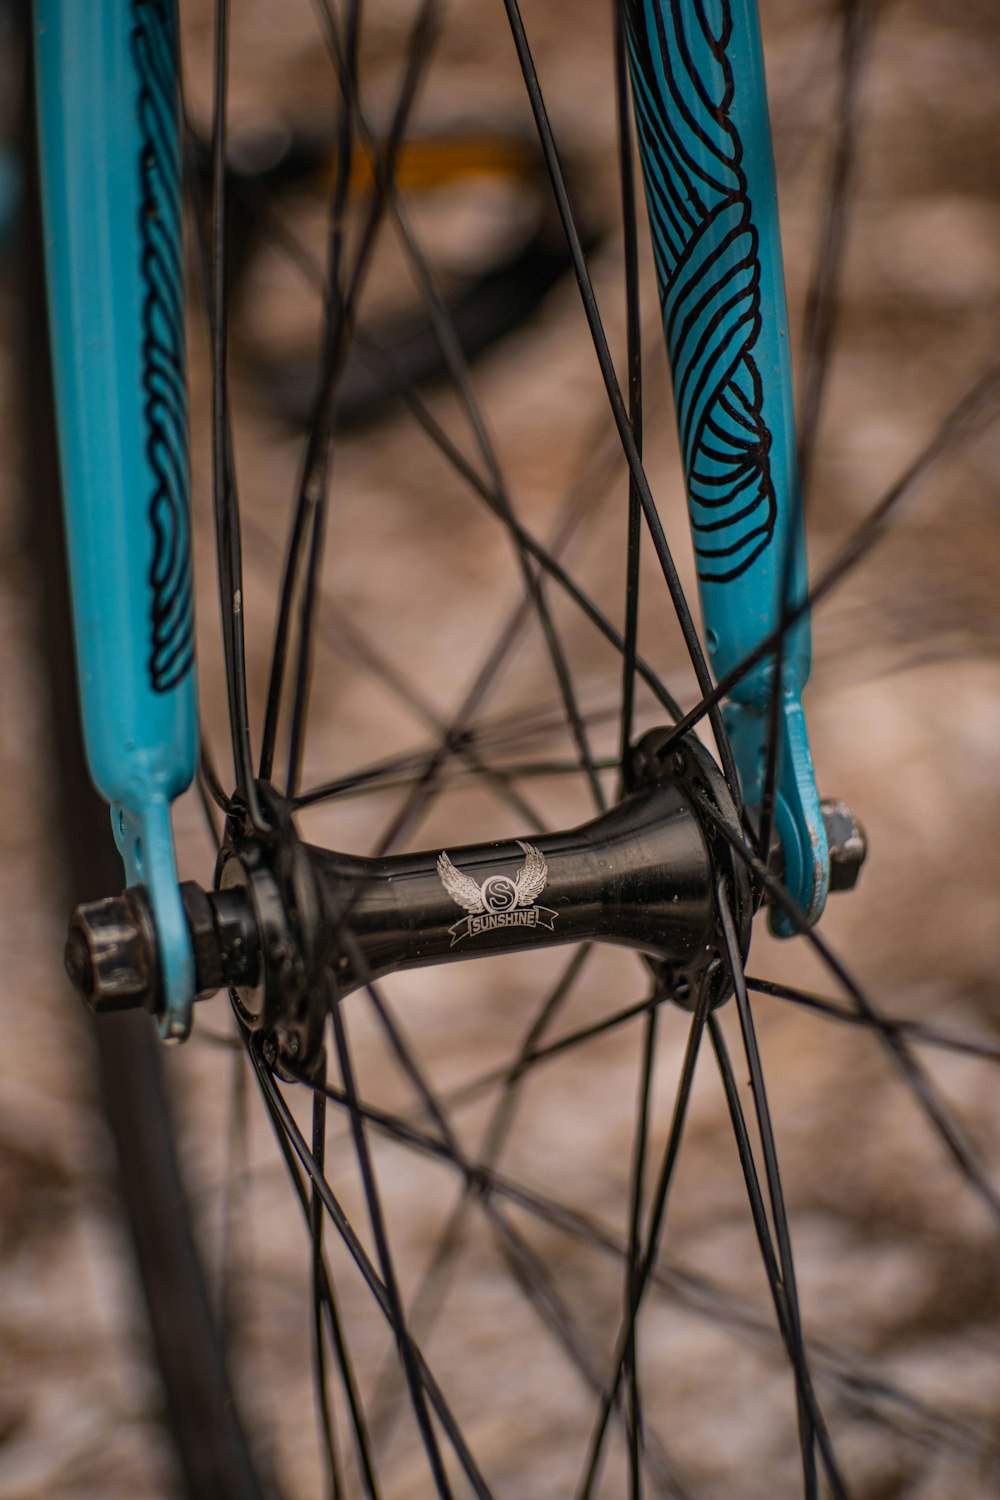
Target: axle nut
[{"x": 109, "y": 956}]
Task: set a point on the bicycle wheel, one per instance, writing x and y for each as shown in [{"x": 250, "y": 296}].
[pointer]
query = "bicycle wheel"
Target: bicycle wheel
[{"x": 542, "y": 1235}]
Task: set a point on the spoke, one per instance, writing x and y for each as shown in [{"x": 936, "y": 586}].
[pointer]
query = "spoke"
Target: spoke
[
  {"x": 377, "y": 1221},
  {"x": 224, "y": 498},
  {"x": 948, "y": 1131},
  {"x": 342, "y": 313},
  {"x": 319, "y": 1342},
  {"x": 793, "y": 541},
  {"x": 454, "y": 357},
  {"x": 853, "y": 1384},
  {"x": 634, "y": 362},
  {"x": 428, "y": 786},
  {"x": 313, "y": 490},
  {"x": 427, "y": 1300},
  {"x": 917, "y": 1031},
  {"x": 365, "y": 1463},
  {"x": 231, "y": 1205},
  {"x": 502, "y": 1120},
  {"x": 769, "y": 787},
  {"x": 525, "y": 1268},
  {"x": 618, "y": 408},
  {"x": 450, "y": 345},
  {"x": 455, "y": 360},
  {"x": 546, "y": 559},
  {"x": 336, "y": 628},
  {"x": 971, "y": 414},
  {"x": 382, "y": 778},
  {"x": 528, "y": 1270},
  {"x": 282, "y": 641},
  {"x": 476, "y": 1086},
  {"x": 289, "y": 1130},
  {"x": 821, "y": 300},
  {"x": 494, "y": 492},
  {"x": 505, "y": 1075},
  {"x": 791, "y": 1333},
  {"x": 319, "y": 507},
  {"x": 807, "y": 1426},
  {"x": 635, "y": 1426},
  {"x": 488, "y": 1080},
  {"x": 651, "y": 1248},
  {"x": 595, "y": 473},
  {"x": 315, "y": 486},
  {"x": 573, "y": 512},
  {"x": 363, "y": 1452},
  {"x": 335, "y": 1330}
]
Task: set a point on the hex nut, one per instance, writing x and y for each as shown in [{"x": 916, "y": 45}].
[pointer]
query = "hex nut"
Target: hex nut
[
  {"x": 848, "y": 845},
  {"x": 110, "y": 957}
]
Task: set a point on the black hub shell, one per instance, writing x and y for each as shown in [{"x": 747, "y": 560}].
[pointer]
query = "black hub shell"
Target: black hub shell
[{"x": 642, "y": 875}]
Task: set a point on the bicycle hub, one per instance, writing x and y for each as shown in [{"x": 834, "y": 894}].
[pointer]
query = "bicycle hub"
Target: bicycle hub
[{"x": 291, "y": 928}]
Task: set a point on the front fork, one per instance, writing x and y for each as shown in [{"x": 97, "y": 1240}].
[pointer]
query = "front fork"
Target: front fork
[
  {"x": 697, "y": 76},
  {"x": 110, "y": 153},
  {"x": 110, "y": 162}
]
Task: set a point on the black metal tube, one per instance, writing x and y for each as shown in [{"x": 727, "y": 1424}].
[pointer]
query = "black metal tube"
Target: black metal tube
[{"x": 640, "y": 876}]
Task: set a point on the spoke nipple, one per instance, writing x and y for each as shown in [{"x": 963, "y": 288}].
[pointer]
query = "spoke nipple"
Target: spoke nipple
[
  {"x": 109, "y": 956},
  {"x": 848, "y": 844}
]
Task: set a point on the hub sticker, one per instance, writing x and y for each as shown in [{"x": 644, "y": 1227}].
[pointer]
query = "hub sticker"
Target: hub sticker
[{"x": 499, "y": 901}]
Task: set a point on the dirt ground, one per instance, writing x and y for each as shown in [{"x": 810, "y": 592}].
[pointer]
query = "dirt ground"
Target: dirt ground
[{"x": 896, "y": 1257}]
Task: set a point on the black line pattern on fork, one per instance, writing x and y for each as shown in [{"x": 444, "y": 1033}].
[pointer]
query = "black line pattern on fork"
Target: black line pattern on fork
[
  {"x": 154, "y": 52},
  {"x": 706, "y": 248}
]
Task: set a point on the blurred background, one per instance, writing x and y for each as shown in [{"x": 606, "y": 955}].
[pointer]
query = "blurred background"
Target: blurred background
[{"x": 896, "y": 1256}]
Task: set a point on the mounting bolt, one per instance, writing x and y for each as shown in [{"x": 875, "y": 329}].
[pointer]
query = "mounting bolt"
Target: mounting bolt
[
  {"x": 111, "y": 955},
  {"x": 848, "y": 845}
]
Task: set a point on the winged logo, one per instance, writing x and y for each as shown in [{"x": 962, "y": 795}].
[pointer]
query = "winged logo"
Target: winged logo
[{"x": 501, "y": 901}]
